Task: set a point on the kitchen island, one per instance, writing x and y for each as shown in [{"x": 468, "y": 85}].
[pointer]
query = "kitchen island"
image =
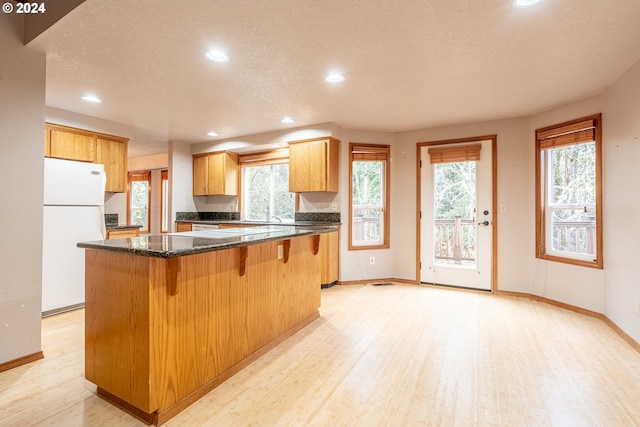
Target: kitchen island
[{"x": 169, "y": 317}]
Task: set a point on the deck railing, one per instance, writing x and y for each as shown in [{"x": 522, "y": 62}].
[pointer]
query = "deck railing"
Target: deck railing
[
  {"x": 576, "y": 237},
  {"x": 455, "y": 239},
  {"x": 366, "y": 229}
]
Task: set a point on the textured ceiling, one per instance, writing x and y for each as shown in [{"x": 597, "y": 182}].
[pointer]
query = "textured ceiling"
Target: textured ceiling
[{"x": 408, "y": 64}]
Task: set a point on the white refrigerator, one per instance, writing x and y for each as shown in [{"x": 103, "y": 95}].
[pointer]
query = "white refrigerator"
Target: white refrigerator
[{"x": 73, "y": 212}]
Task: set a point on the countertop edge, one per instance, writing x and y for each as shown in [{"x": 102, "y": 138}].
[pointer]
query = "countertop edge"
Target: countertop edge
[
  {"x": 257, "y": 223},
  {"x": 100, "y": 244}
]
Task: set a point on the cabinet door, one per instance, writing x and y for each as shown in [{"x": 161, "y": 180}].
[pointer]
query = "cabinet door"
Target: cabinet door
[
  {"x": 200, "y": 175},
  {"x": 330, "y": 252},
  {"x": 217, "y": 176},
  {"x": 307, "y": 166},
  {"x": 183, "y": 226},
  {"x": 123, "y": 233},
  {"x": 113, "y": 155},
  {"x": 71, "y": 146}
]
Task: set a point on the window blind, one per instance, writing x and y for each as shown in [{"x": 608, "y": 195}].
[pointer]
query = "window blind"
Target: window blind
[
  {"x": 369, "y": 152},
  {"x": 458, "y": 153},
  {"x": 574, "y": 133}
]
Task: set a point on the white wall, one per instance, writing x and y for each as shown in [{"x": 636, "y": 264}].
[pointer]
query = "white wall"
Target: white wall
[
  {"x": 180, "y": 180},
  {"x": 354, "y": 265},
  {"x": 575, "y": 285},
  {"x": 621, "y": 136},
  {"x": 515, "y": 245},
  {"x": 22, "y": 85},
  {"x": 85, "y": 121}
]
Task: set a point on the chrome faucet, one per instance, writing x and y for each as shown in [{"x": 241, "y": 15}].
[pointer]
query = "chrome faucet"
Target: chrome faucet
[{"x": 276, "y": 218}]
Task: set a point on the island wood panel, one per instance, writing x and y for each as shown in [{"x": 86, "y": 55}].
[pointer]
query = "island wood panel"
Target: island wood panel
[
  {"x": 117, "y": 325},
  {"x": 216, "y": 319}
]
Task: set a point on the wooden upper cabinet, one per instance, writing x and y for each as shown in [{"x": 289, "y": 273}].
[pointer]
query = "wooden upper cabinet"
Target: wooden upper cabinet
[
  {"x": 82, "y": 145},
  {"x": 200, "y": 175},
  {"x": 112, "y": 154},
  {"x": 215, "y": 174},
  {"x": 314, "y": 165},
  {"x": 63, "y": 144}
]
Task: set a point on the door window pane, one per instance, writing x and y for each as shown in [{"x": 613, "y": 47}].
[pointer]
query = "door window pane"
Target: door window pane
[{"x": 455, "y": 228}]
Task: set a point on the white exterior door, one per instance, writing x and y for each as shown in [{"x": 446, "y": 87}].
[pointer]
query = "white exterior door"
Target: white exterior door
[{"x": 456, "y": 219}]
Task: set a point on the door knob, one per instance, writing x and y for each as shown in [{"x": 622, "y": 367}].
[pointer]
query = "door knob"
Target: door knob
[{"x": 485, "y": 223}]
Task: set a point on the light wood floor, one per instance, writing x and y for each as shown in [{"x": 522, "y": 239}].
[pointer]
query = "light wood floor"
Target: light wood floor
[{"x": 399, "y": 355}]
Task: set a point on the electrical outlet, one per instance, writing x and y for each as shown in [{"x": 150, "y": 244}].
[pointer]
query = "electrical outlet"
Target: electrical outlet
[
  {"x": 280, "y": 252},
  {"x": 636, "y": 305},
  {"x": 334, "y": 207},
  {"x": 372, "y": 260},
  {"x": 503, "y": 207}
]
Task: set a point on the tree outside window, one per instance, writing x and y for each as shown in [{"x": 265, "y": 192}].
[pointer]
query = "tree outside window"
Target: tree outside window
[
  {"x": 266, "y": 196},
  {"x": 139, "y": 197}
]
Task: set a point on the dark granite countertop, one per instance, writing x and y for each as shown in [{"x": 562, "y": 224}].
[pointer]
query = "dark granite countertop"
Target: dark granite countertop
[
  {"x": 194, "y": 242},
  {"x": 258, "y": 223},
  {"x": 119, "y": 226}
]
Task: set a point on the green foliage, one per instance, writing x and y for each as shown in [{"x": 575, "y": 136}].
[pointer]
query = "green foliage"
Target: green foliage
[
  {"x": 367, "y": 183},
  {"x": 266, "y": 193},
  {"x": 454, "y": 190},
  {"x": 574, "y": 174},
  {"x": 139, "y": 202}
]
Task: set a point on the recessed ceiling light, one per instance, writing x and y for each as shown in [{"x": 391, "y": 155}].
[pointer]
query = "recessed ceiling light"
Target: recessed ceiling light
[
  {"x": 92, "y": 98},
  {"x": 212, "y": 133},
  {"x": 334, "y": 78},
  {"x": 287, "y": 120},
  {"x": 217, "y": 55},
  {"x": 525, "y": 3}
]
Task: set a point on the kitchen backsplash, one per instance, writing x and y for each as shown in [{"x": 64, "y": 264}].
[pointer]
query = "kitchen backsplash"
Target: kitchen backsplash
[
  {"x": 111, "y": 219},
  {"x": 207, "y": 216},
  {"x": 333, "y": 217},
  {"x": 328, "y": 217}
]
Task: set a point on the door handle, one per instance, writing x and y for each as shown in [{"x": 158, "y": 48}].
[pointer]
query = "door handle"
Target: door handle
[{"x": 485, "y": 223}]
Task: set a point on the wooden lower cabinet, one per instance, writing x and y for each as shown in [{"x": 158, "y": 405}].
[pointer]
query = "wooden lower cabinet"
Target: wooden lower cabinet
[
  {"x": 330, "y": 253},
  {"x": 183, "y": 226},
  {"x": 230, "y": 225},
  {"x": 160, "y": 333},
  {"x": 123, "y": 233}
]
